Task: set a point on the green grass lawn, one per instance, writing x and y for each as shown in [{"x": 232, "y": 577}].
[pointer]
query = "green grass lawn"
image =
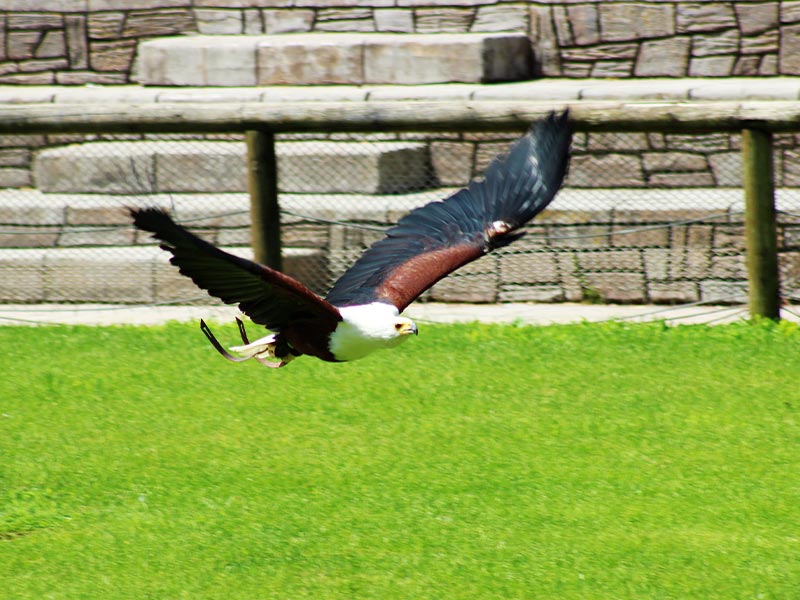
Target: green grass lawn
[{"x": 583, "y": 461}]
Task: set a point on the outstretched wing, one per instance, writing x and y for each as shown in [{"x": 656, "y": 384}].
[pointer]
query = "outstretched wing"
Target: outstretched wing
[
  {"x": 436, "y": 239},
  {"x": 267, "y": 296}
]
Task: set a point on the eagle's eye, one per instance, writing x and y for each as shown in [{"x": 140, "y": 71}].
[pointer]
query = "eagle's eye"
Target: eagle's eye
[{"x": 398, "y": 326}]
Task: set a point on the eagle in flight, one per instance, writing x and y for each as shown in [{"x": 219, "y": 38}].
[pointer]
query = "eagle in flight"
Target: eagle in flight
[{"x": 361, "y": 312}]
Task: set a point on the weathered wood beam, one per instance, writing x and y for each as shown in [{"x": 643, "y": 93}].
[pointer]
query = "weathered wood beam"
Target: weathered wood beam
[
  {"x": 265, "y": 217},
  {"x": 687, "y": 117},
  {"x": 760, "y": 226}
]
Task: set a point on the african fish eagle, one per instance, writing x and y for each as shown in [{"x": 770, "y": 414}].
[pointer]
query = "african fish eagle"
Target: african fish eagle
[{"x": 361, "y": 312}]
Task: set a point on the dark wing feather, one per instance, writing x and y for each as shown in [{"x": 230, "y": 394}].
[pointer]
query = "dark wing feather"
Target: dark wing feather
[
  {"x": 267, "y": 296},
  {"x": 436, "y": 239}
]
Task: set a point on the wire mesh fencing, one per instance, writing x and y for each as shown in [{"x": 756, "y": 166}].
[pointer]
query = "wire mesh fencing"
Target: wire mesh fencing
[{"x": 642, "y": 218}]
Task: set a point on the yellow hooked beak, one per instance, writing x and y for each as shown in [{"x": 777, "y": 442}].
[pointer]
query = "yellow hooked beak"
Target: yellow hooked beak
[{"x": 406, "y": 327}]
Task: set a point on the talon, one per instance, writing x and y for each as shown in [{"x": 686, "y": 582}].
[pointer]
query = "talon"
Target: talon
[
  {"x": 242, "y": 331},
  {"x": 205, "y": 329}
]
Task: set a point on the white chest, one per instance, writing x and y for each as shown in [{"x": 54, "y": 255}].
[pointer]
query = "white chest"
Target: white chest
[{"x": 363, "y": 330}]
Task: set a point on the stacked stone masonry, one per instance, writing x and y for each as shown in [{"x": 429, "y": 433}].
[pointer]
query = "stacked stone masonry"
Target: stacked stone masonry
[
  {"x": 95, "y": 41},
  {"x": 590, "y": 245}
]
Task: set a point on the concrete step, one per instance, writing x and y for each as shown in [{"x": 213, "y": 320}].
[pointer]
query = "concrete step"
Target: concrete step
[
  {"x": 334, "y": 58},
  {"x": 125, "y": 274},
  {"x": 141, "y": 167}
]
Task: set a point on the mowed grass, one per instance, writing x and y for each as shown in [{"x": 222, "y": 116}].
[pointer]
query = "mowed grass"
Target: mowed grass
[{"x": 583, "y": 461}]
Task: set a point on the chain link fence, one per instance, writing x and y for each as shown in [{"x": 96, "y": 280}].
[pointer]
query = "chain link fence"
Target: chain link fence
[{"x": 643, "y": 217}]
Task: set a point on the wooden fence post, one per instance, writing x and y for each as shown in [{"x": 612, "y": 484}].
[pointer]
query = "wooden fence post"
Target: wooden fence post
[
  {"x": 760, "y": 226},
  {"x": 262, "y": 176}
]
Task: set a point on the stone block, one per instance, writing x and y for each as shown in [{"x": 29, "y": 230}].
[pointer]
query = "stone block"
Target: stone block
[
  {"x": 728, "y": 267},
  {"x": 530, "y": 293},
  {"x": 394, "y": 20},
  {"x": 729, "y": 238},
  {"x": 610, "y": 260},
  {"x": 581, "y": 236},
  {"x": 712, "y": 44},
  {"x": 53, "y": 45},
  {"x": 673, "y": 161},
  {"x": 310, "y": 59},
  {"x": 99, "y": 275},
  {"x": 585, "y": 23},
  {"x": 502, "y": 17},
  {"x": 789, "y": 54},
  {"x": 790, "y": 12},
  {"x": 624, "y": 21},
  {"x": 605, "y": 142},
  {"x": 36, "y": 21},
  {"x": 711, "y": 66},
  {"x": 287, "y": 21},
  {"x": 77, "y": 48},
  {"x": 100, "y": 167},
  {"x": 96, "y": 236},
  {"x": 115, "y": 55},
  {"x": 656, "y": 263},
  {"x": 545, "y": 41},
  {"x": 680, "y": 180},
  {"x": 15, "y": 157},
  {"x": 695, "y": 17},
  {"x": 672, "y": 292},
  {"x": 689, "y": 264},
  {"x": 106, "y": 25},
  {"x": 12, "y": 177},
  {"x": 473, "y": 58},
  {"x": 528, "y": 268},
  {"x": 727, "y": 168},
  {"x": 607, "y": 171},
  {"x": 218, "y": 21},
  {"x": 158, "y": 20},
  {"x": 723, "y": 292},
  {"x": 452, "y": 162},
  {"x": 443, "y": 19},
  {"x": 21, "y": 44},
  {"x": 22, "y": 275},
  {"x": 200, "y": 167},
  {"x": 376, "y": 168},
  {"x": 632, "y": 237},
  {"x": 218, "y": 60},
  {"x": 767, "y": 42},
  {"x": 663, "y": 58},
  {"x": 28, "y": 236},
  {"x": 617, "y": 287}
]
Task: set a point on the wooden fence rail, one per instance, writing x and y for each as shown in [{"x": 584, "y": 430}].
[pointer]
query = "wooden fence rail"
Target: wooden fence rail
[{"x": 755, "y": 120}]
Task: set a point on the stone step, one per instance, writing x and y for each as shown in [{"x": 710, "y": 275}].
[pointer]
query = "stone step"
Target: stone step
[
  {"x": 334, "y": 58},
  {"x": 141, "y": 167},
  {"x": 125, "y": 274}
]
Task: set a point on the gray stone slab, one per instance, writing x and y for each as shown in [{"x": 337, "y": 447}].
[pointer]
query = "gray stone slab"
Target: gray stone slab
[
  {"x": 99, "y": 275},
  {"x": 306, "y": 59},
  {"x": 100, "y": 167},
  {"x": 218, "y": 60},
  {"x": 331, "y": 58},
  {"x": 200, "y": 166},
  {"x": 471, "y": 58},
  {"x": 22, "y": 275},
  {"x": 375, "y": 168}
]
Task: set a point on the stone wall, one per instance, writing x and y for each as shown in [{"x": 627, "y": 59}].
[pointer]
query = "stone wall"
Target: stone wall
[{"x": 94, "y": 41}]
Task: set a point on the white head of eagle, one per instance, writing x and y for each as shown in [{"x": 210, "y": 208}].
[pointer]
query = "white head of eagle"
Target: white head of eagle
[{"x": 361, "y": 312}]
